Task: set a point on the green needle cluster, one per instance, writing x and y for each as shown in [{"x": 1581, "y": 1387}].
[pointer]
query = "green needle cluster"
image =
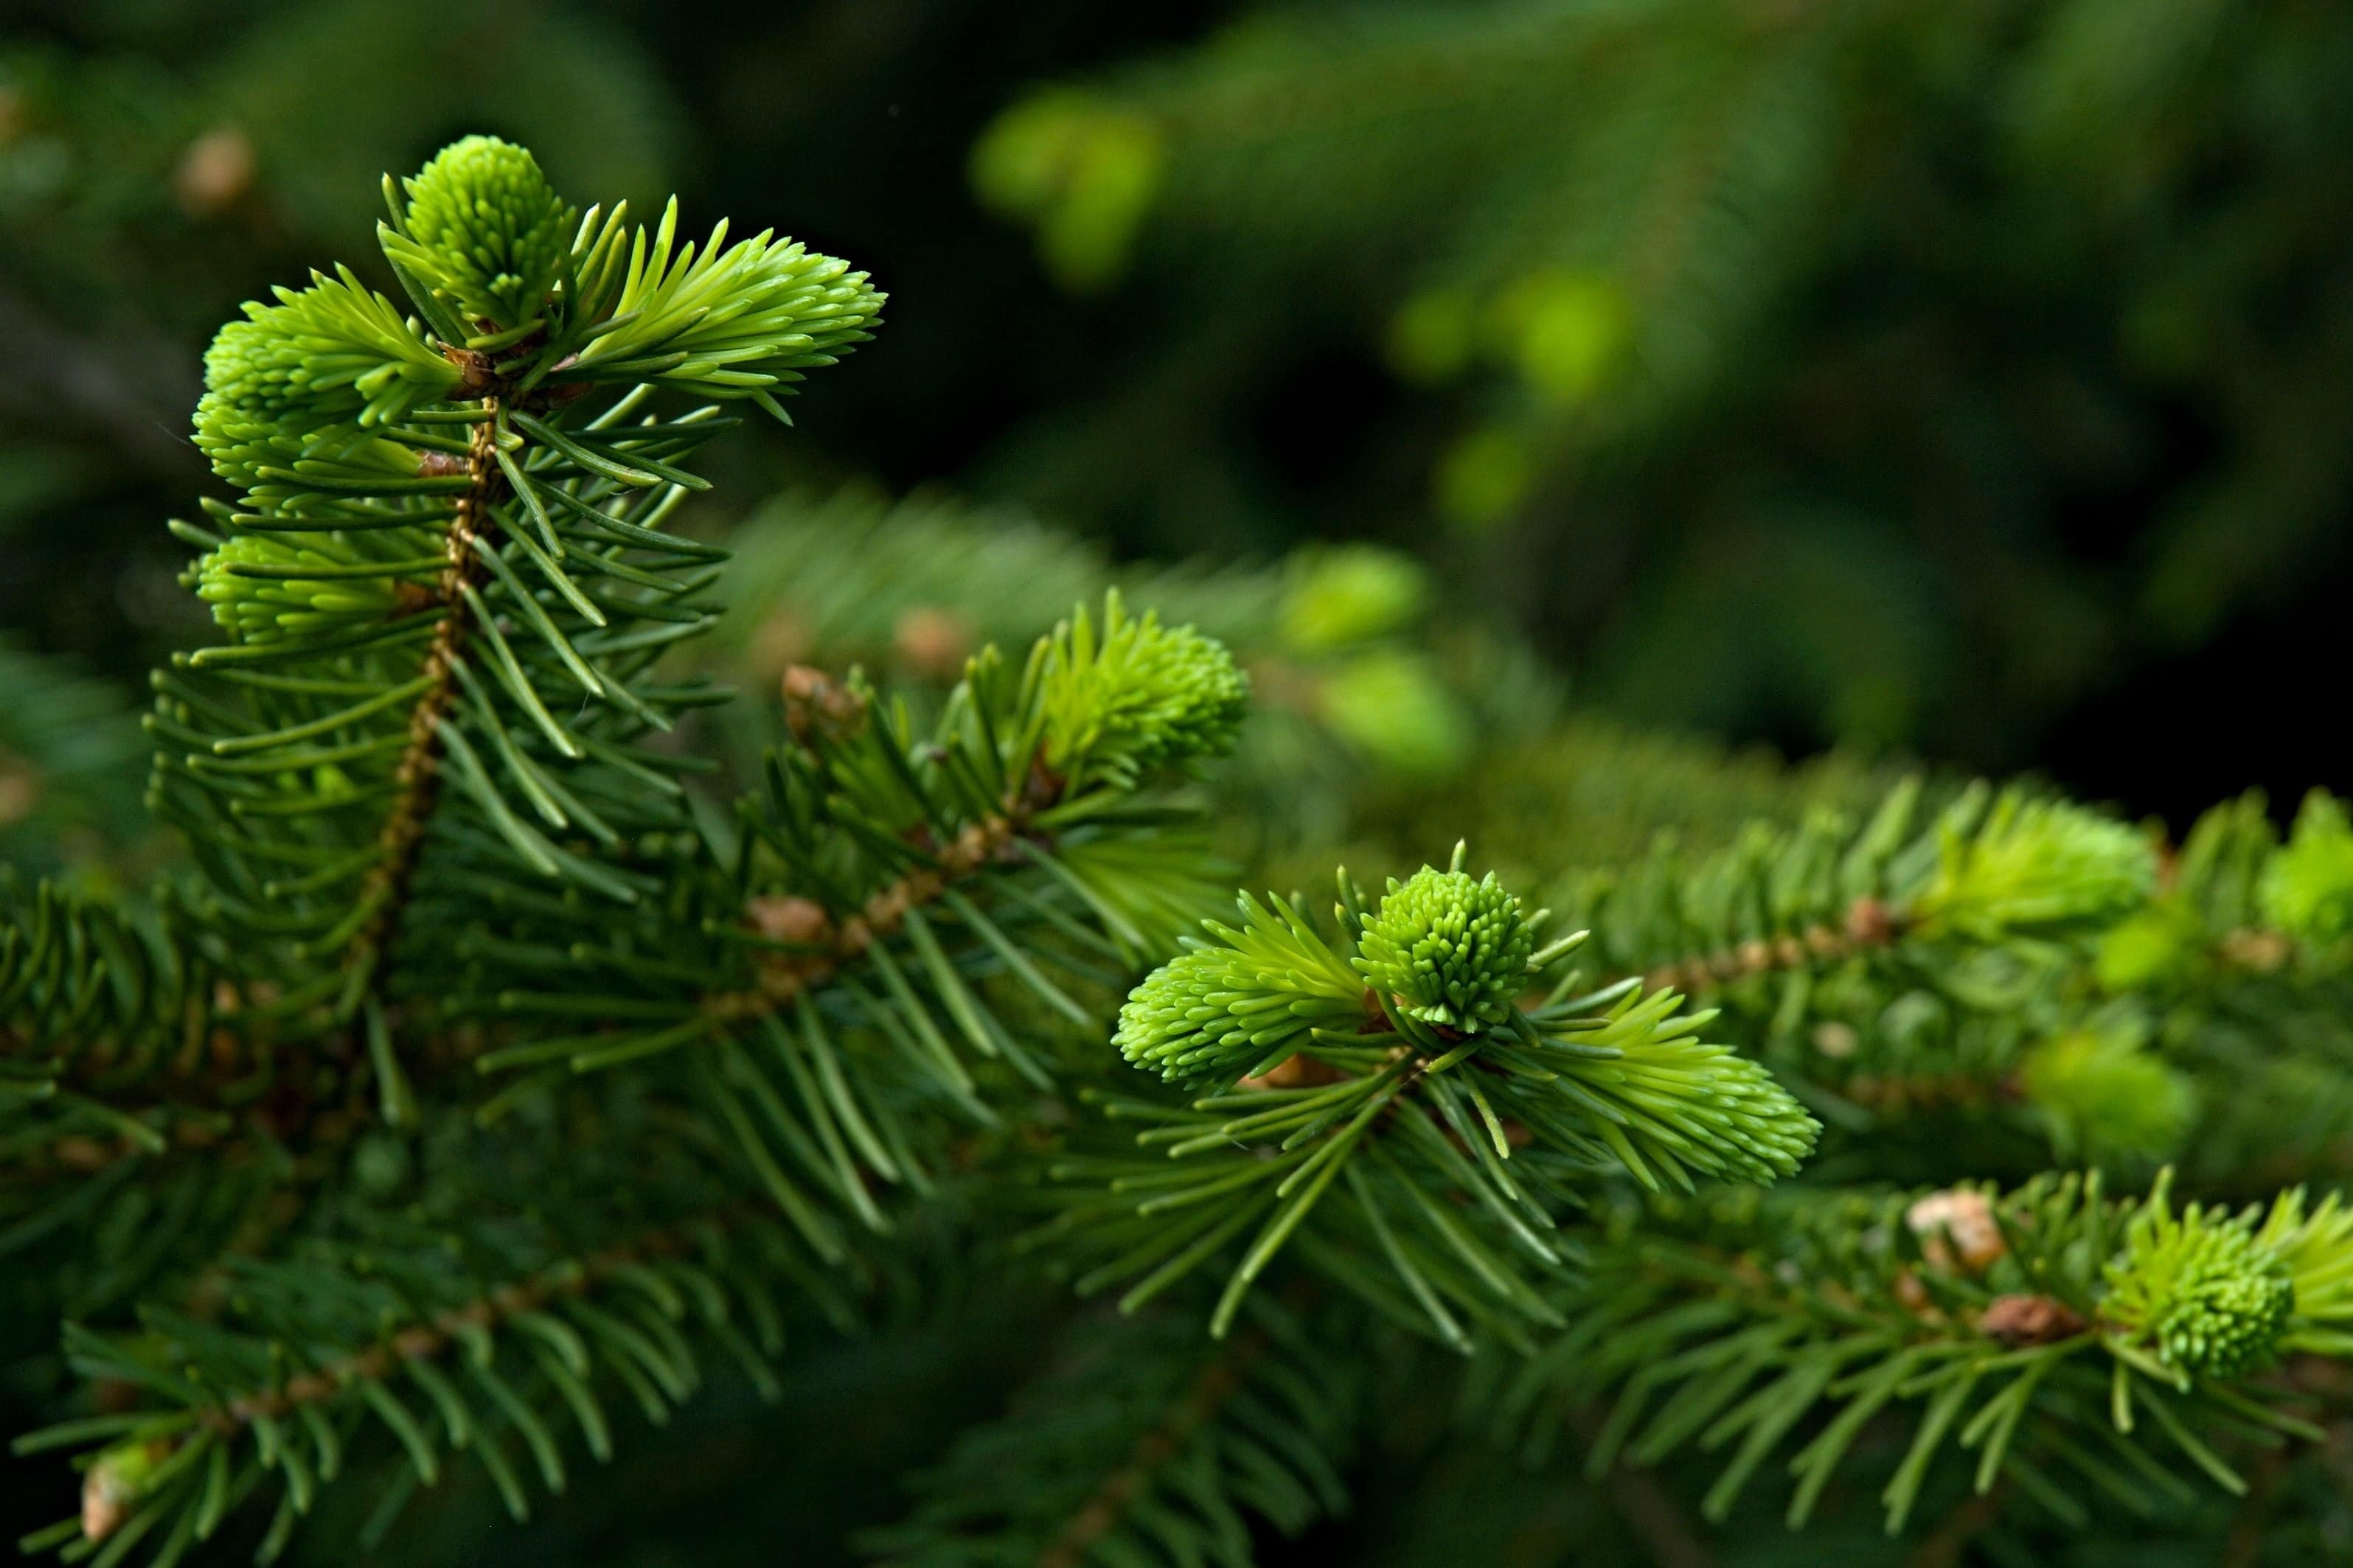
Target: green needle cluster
[
  {"x": 2202, "y": 1290},
  {"x": 1239, "y": 1003},
  {"x": 1134, "y": 696},
  {"x": 2037, "y": 865},
  {"x": 334, "y": 354},
  {"x": 486, "y": 232},
  {"x": 265, "y": 588},
  {"x": 1452, "y": 951}
]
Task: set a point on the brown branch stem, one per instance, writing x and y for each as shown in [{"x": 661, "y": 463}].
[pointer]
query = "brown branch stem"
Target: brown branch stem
[
  {"x": 879, "y": 918},
  {"x": 428, "y": 1340},
  {"x": 416, "y": 775},
  {"x": 1868, "y": 925}
]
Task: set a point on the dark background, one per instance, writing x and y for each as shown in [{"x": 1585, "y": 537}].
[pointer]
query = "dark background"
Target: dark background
[{"x": 2015, "y": 437}]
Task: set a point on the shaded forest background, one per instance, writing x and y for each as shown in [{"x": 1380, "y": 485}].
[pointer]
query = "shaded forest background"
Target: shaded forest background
[{"x": 1968, "y": 382}]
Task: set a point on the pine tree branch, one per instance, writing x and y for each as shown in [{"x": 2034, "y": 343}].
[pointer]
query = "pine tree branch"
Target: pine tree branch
[
  {"x": 785, "y": 979},
  {"x": 1140, "y": 1445},
  {"x": 1648, "y": 1510},
  {"x": 1102, "y": 1511},
  {"x": 1868, "y": 925},
  {"x": 431, "y": 1339},
  {"x": 396, "y": 640},
  {"x": 416, "y": 776}
]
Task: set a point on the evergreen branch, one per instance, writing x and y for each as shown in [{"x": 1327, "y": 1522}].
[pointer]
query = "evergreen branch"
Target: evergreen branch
[
  {"x": 119, "y": 1035},
  {"x": 1865, "y": 927},
  {"x": 868, "y": 831},
  {"x": 2010, "y": 967},
  {"x": 2051, "y": 1330},
  {"x": 882, "y": 915},
  {"x": 2024, "y": 878},
  {"x": 1429, "y": 1079},
  {"x": 434, "y": 1337},
  {"x": 443, "y": 535},
  {"x": 1140, "y": 1448},
  {"x": 829, "y": 981},
  {"x": 2037, "y": 881},
  {"x": 1121, "y": 1489},
  {"x": 415, "y": 774},
  {"x": 332, "y": 1342}
]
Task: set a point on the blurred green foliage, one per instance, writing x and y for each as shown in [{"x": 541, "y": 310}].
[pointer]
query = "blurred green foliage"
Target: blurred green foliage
[
  {"x": 1933, "y": 374},
  {"x": 1960, "y": 378}
]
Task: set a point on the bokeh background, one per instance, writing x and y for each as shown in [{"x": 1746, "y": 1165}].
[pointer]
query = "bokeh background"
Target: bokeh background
[{"x": 1860, "y": 380}]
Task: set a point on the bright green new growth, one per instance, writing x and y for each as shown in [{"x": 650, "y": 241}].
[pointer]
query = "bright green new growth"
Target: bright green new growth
[
  {"x": 336, "y": 354},
  {"x": 486, "y": 232},
  {"x": 732, "y": 320},
  {"x": 1451, "y": 952},
  {"x": 2317, "y": 1246},
  {"x": 1240, "y": 1004},
  {"x": 2202, "y": 1290},
  {"x": 262, "y": 588},
  {"x": 1351, "y": 594},
  {"x": 2105, "y": 1093},
  {"x": 2307, "y": 889},
  {"x": 2036, "y": 866},
  {"x": 1418, "y": 1142},
  {"x": 1083, "y": 171},
  {"x": 1137, "y": 697}
]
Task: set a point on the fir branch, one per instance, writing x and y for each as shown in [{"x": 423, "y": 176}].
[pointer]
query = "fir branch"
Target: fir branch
[
  {"x": 503, "y": 1321},
  {"x": 833, "y": 974},
  {"x": 2031, "y": 879},
  {"x": 1140, "y": 1446},
  {"x": 1867, "y": 926},
  {"x": 785, "y": 978},
  {"x": 2052, "y": 1329},
  {"x": 414, "y": 775},
  {"x": 1123, "y": 1488},
  {"x": 1443, "y": 1082},
  {"x": 434, "y": 1336},
  {"x": 443, "y": 535}
]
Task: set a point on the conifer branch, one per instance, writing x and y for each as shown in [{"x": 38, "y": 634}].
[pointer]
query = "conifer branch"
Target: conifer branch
[
  {"x": 1141, "y": 1446},
  {"x": 882, "y": 915},
  {"x": 2033, "y": 879},
  {"x": 1866, "y": 926},
  {"x": 1444, "y": 1083},
  {"x": 1120, "y": 1490},
  {"x": 713, "y": 1053},
  {"x": 416, "y": 774},
  {"x": 2051, "y": 1330},
  {"x": 434, "y": 1337},
  {"x": 503, "y": 1324}
]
